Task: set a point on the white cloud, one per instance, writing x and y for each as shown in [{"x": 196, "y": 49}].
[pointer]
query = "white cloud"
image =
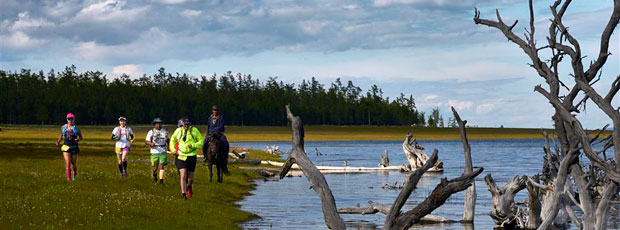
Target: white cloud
[
  {"x": 460, "y": 105},
  {"x": 350, "y": 7},
  {"x": 172, "y": 1},
  {"x": 312, "y": 27},
  {"x": 484, "y": 108},
  {"x": 63, "y": 9},
  {"x": 19, "y": 40},
  {"x": 25, "y": 22},
  {"x": 131, "y": 70},
  {"x": 191, "y": 13},
  {"x": 382, "y": 3},
  {"x": 144, "y": 48},
  {"x": 108, "y": 11},
  {"x": 430, "y": 97}
]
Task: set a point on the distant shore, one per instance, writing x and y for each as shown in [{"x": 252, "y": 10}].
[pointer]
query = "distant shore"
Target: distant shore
[{"x": 312, "y": 133}]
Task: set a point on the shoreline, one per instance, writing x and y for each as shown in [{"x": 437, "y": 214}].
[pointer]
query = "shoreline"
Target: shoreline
[{"x": 283, "y": 133}]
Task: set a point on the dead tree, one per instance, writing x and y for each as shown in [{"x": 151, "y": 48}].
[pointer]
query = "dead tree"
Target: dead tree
[
  {"x": 315, "y": 177},
  {"x": 504, "y": 210},
  {"x": 385, "y": 160},
  {"x": 573, "y": 138},
  {"x": 470, "y": 195},
  {"x": 396, "y": 219},
  {"x": 416, "y": 156}
]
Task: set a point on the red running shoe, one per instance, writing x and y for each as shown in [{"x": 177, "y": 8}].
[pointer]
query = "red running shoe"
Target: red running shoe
[{"x": 190, "y": 193}]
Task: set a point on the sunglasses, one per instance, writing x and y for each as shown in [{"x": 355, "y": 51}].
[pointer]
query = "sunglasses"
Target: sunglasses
[{"x": 69, "y": 119}]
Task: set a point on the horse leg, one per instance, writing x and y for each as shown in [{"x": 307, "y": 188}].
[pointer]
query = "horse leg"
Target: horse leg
[
  {"x": 210, "y": 171},
  {"x": 220, "y": 170},
  {"x": 226, "y": 149}
]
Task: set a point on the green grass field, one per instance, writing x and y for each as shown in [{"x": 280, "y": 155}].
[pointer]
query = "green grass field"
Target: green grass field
[
  {"x": 35, "y": 194},
  {"x": 100, "y": 135}
]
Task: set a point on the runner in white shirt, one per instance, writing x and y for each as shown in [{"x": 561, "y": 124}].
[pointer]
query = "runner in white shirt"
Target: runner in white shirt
[
  {"x": 157, "y": 139},
  {"x": 124, "y": 136}
]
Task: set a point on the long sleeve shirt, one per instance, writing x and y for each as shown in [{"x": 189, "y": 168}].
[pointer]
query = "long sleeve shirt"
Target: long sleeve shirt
[
  {"x": 184, "y": 138},
  {"x": 217, "y": 126}
]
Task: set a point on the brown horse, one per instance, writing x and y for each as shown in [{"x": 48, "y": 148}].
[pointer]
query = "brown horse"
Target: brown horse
[{"x": 216, "y": 153}]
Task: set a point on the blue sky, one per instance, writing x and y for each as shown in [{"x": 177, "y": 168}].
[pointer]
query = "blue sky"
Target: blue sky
[{"x": 428, "y": 48}]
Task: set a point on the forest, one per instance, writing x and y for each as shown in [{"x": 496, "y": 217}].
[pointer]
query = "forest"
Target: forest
[{"x": 29, "y": 97}]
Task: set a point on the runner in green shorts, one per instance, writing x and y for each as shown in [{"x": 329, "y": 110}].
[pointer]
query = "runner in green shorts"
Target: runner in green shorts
[{"x": 157, "y": 139}]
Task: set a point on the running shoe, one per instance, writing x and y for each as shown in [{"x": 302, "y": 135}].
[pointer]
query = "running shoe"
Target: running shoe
[
  {"x": 74, "y": 177},
  {"x": 184, "y": 196},
  {"x": 161, "y": 181},
  {"x": 190, "y": 193},
  {"x": 154, "y": 177}
]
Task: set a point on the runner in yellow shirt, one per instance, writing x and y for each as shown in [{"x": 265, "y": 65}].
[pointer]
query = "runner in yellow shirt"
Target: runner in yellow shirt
[{"x": 189, "y": 140}]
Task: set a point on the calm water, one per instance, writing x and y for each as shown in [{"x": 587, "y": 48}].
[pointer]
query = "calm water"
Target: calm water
[{"x": 290, "y": 204}]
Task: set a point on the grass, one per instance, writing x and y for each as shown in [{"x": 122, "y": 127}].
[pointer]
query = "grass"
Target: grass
[
  {"x": 35, "y": 194},
  {"x": 100, "y": 135}
]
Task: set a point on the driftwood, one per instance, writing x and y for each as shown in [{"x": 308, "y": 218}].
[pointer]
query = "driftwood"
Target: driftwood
[
  {"x": 381, "y": 208},
  {"x": 416, "y": 156},
  {"x": 236, "y": 155},
  {"x": 573, "y": 138},
  {"x": 504, "y": 209},
  {"x": 396, "y": 219},
  {"x": 394, "y": 186},
  {"x": 533, "y": 203},
  {"x": 469, "y": 208},
  {"x": 245, "y": 161},
  {"x": 340, "y": 169},
  {"x": 315, "y": 178},
  {"x": 385, "y": 160}
]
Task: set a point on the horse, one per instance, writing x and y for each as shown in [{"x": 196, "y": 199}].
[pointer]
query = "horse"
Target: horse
[{"x": 216, "y": 153}]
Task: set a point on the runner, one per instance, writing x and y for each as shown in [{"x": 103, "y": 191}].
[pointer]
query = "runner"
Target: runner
[
  {"x": 176, "y": 148},
  {"x": 157, "y": 139},
  {"x": 72, "y": 135},
  {"x": 189, "y": 140},
  {"x": 124, "y": 136}
]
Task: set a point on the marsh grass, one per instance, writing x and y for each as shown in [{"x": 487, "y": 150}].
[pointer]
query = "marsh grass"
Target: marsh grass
[
  {"x": 100, "y": 135},
  {"x": 35, "y": 194}
]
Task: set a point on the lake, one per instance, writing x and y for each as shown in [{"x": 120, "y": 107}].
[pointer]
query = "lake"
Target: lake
[{"x": 290, "y": 204}]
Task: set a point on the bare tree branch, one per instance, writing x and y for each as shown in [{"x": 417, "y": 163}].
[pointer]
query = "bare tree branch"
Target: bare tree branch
[
  {"x": 603, "y": 51},
  {"x": 314, "y": 176},
  {"x": 470, "y": 195},
  {"x": 436, "y": 198}
]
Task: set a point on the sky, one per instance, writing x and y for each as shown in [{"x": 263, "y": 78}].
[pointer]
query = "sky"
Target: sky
[{"x": 430, "y": 49}]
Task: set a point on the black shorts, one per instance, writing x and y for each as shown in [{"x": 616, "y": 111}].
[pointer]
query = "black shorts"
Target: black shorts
[
  {"x": 189, "y": 164},
  {"x": 73, "y": 150}
]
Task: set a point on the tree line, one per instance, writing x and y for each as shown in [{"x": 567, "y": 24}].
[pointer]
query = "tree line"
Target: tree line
[{"x": 37, "y": 98}]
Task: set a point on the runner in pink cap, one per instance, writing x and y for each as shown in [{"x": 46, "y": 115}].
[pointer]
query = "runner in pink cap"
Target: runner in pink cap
[{"x": 71, "y": 135}]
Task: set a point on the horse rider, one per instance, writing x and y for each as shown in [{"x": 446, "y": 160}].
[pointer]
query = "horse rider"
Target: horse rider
[{"x": 215, "y": 124}]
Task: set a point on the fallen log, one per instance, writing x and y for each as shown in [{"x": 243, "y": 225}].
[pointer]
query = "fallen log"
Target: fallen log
[
  {"x": 340, "y": 169},
  {"x": 374, "y": 208},
  {"x": 245, "y": 161}
]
